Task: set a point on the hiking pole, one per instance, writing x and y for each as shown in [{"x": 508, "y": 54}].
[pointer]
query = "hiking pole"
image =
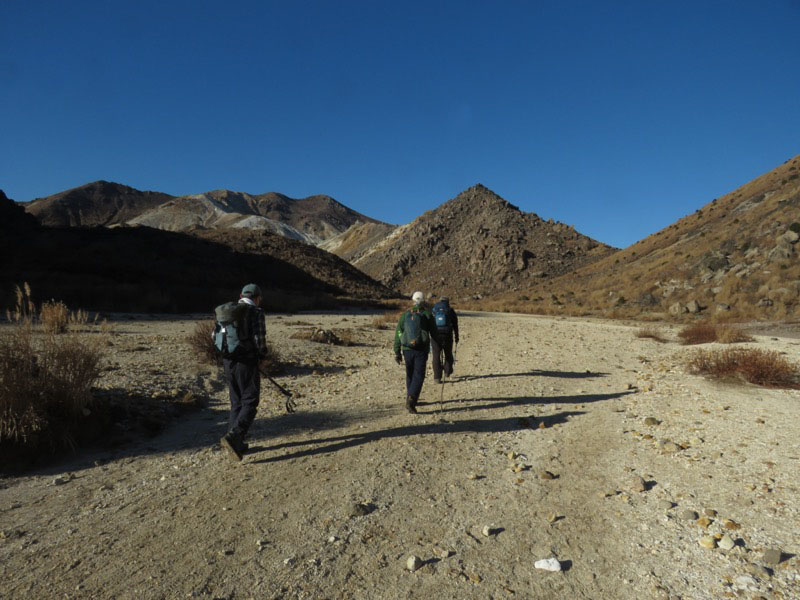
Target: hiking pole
[
  {"x": 441, "y": 395},
  {"x": 291, "y": 405}
]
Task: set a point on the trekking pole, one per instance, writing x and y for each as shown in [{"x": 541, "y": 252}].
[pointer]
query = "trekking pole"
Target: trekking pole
[
  {"x": 291, "y": 405},
  {"x": 441, "y": 395}
]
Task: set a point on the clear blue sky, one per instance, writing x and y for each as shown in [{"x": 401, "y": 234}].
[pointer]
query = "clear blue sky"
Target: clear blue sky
[{"x": 615, "y": 117}]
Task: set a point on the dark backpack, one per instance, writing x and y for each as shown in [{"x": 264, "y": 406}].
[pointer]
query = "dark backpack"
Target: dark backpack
[
  {"x": 230, "y": 337},
  {"x": 441, "y": 314},
  {"x": 414, "y": 336}
]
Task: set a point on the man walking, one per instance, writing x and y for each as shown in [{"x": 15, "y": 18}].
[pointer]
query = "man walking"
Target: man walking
[
  {"x": 413, "y": 334},
  {"x": 241, "y": 369},
  {"x": 446, "y": 321}
]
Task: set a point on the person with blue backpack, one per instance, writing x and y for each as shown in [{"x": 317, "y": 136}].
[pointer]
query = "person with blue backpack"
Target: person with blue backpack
[
  {"x": 240, "y": 337},
  {"x": 413, "y": 335},
  {"x": 446, "y": 321}
]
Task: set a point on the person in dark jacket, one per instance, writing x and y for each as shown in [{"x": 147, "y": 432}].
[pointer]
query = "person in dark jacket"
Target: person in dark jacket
[
  {"x": 414, "y": 331},
  {"x": 446, "y": 321},
  {"x": 241, "y": 373}
]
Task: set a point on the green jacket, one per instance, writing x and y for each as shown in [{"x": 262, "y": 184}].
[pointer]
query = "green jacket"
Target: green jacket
[{"x": 428, "y": 324}]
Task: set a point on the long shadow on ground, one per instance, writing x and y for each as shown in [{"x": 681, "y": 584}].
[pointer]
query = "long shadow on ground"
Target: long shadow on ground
[
  {"x": 334, "y": 444},
  {"x": 538, "y": 373}
]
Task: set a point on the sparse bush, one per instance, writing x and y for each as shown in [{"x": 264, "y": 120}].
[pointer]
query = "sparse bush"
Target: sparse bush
[
  {"x": 54, "y": 317},
  {"x": 651, "y": 333},
  {"x": 761, "y": 367},
  {"x": 387, "y": 320},
  {"x": 201, "y": 345},
  {"x": 704, "y": 332},
  {"x": 46, "y": 379}
]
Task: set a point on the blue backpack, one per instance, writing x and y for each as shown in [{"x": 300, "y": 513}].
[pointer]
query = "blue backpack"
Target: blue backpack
[{"x": 441, "y": 314}]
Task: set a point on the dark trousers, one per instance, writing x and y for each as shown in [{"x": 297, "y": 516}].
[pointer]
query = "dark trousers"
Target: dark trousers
[
  {"x": 416, "y": 361},
  {"x": 442, "y": 351},
  {"x": 244, "y": 385}
]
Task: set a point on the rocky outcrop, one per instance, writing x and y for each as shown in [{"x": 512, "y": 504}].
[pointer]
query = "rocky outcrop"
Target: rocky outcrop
[{"x": 476, "y": 244}]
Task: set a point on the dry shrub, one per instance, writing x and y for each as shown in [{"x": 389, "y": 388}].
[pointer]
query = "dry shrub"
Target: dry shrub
[
  {"x": 201, "y": 345},
  {"x": 54, "y": 317},
  {"x": 652, "y": 333},
  {"x": 698, "y": 333},
  {"x": 761, "y": 367},
  {"x": 387, "y": 320},
  {"x": 46, "y": 379},
  {"x": 704, "y": 332}
]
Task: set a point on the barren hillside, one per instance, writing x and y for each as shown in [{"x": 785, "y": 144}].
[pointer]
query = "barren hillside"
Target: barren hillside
[
  {"x": 736, "y": 257},
  {"x": 477, "y": 244}
]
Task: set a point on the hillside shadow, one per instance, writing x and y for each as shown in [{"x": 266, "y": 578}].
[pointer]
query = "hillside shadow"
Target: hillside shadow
[
  {"x": 337, "y": 443},
  {"x": 537, "y": 373}
]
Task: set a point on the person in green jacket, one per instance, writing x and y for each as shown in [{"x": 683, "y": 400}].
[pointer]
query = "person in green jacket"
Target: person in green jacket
[{"x": 412, "y": 335}]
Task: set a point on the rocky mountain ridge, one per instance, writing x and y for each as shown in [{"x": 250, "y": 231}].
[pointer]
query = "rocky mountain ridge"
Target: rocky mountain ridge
[{"x": 477, "y": 244}]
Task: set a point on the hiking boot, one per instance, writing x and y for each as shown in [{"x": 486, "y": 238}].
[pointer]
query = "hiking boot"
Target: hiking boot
[
  {"x": 244, "y": 447},
  {"x": 232, "y": 446},
  {"x": 437, "y": 381},
  {"x": 411, "y": 405}
]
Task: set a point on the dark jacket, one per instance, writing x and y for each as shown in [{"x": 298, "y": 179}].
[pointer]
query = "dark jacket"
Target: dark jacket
[{"x": 427, "y": 324}]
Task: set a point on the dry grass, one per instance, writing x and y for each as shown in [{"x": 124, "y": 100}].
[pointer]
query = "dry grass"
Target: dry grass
[
  {"x": 387, "y": 320},
  {"x": 652, "y": 333},
  {"x": 46, "y": 377},
  {"x": 201, "y": 346},
  {"x": 761, "y": 367},
  {"x": 704, "y": 332},
  {"x": 54, "y": 317}
]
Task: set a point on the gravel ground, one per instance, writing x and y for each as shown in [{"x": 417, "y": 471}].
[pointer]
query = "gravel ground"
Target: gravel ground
[{"x": 557, "y": 438}]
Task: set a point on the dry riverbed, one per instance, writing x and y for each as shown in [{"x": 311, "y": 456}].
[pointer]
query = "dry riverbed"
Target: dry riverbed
[{"x": 557, "y": 438}]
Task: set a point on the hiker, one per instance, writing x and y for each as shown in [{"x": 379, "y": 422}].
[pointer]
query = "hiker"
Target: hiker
[
  {"x": 241, "y": 364},
  {"x": 413, "y": 334},
  {"x": 442, "y": 345}
]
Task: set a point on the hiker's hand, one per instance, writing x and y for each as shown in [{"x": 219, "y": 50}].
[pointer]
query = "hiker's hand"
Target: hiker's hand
[{"x": 398, "y": 359}]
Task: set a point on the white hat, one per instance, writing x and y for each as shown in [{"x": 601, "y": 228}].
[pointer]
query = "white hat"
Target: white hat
[{"x": 417, "y": 297}]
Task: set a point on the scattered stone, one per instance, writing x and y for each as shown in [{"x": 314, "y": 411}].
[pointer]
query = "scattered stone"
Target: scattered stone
[
  {"x": 442, "y": 553},
  {"x": 473, "y": 476},
  {"x": 758, "y": 571},
  {"x": 333, "y": 539},
  {"x": 704, "y": 522},
  {"x": 745, "y": 581},
  {"x": 552, "y": 517},
  {"x": 487, "y": 531},
  {"x": 730, "y": 525},
  {"x": 708, "y": 541},
  {"x": 668, "y": 447},
  {"x": 289, "y": 561},
  {"x": 665, "y": 504},
  {"x": 710, "y": 512},
  {"x": 726, "y": 542},
  {"x": 688, "y": 515},
  {"x": 638, "y": 484},
  {"x": 772, "y": 556},
  {"x": 361, "y": 509},
  {"x": 547, "y": 475},
  {"x": 61, "y": 480},
  {"x": 651, "y": 421},
  {"x": 512, "y": 455},
  {"x": 413, "y": 563},
  {"x": 542, "y": 425},
  {"x": 548, "y": 564}
]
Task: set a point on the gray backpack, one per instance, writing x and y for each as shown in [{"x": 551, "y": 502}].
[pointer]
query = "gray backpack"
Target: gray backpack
[{"x": 229, "y": 334}]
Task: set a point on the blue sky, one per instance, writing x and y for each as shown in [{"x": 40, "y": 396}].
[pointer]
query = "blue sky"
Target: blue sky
[{"x": 615, "y": 117}]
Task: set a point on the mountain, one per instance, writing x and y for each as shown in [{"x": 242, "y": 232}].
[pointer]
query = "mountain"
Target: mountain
[
  {"x": 101, "y": 203},
  {"x": 477, "y": 244},
  {"x": 357, "y": 240},
  {"x": 312, "y": 219},
  {"x": 13, "y": 216},
  {"x": 734, "y": 258}
]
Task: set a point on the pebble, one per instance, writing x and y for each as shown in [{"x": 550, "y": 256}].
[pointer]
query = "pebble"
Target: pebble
[
  {"x": 665, "y": 505},
  {"x": 487, "y": 531},
  {"x": 547, "y": 475},
  {"x": 61, "y": 480},
  {"x": 745, "y": 581},
  {"x": 708, "y": 541},
  {"x": 651, "y": 421},
  {"x": 758, "y": 571},
  {"x": 638, "y": 484},
  {"x": 772, "y": 556},
  {"x": 548, "y": 564},
  {"x": 726, "y": 542},
  {"x": 413, "y": 563},
  {"x": 688, "y": 515},
  {"x": 704, "y": 522},
  {"x": 730, "y": 525},
  {"x": 442, "y": 552},
  {"x": 668, "y": 446},
  {"x": 710, "y": 512},
  {"x": 552, "y": 517},
  {"x": 332, "y": 539}
]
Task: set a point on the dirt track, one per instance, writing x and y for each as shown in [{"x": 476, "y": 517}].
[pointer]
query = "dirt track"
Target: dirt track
[{"x": 331, "y": 501}]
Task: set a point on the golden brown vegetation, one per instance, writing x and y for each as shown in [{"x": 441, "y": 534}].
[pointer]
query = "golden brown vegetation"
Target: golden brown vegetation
[
  {"x": 704, "y": 332},
  {"x": 201, "y": 346},
  {"x": 761, "y": 367},
  {"x": 46, "y": 375}
]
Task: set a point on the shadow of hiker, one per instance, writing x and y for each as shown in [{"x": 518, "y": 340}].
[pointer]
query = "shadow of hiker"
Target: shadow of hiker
[
  {"x": 335, "y": 444},
  {"x": 486, "y": 403},
  {"x": 537, "y": 373}
]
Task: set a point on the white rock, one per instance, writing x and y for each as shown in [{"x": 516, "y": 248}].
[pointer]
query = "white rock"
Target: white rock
[
  {"x": 486, "y": 531},
  {"x": 332, "y": 539},
  {"x": 548, "y": 564},
  {"x": 413, "y": 563}
]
